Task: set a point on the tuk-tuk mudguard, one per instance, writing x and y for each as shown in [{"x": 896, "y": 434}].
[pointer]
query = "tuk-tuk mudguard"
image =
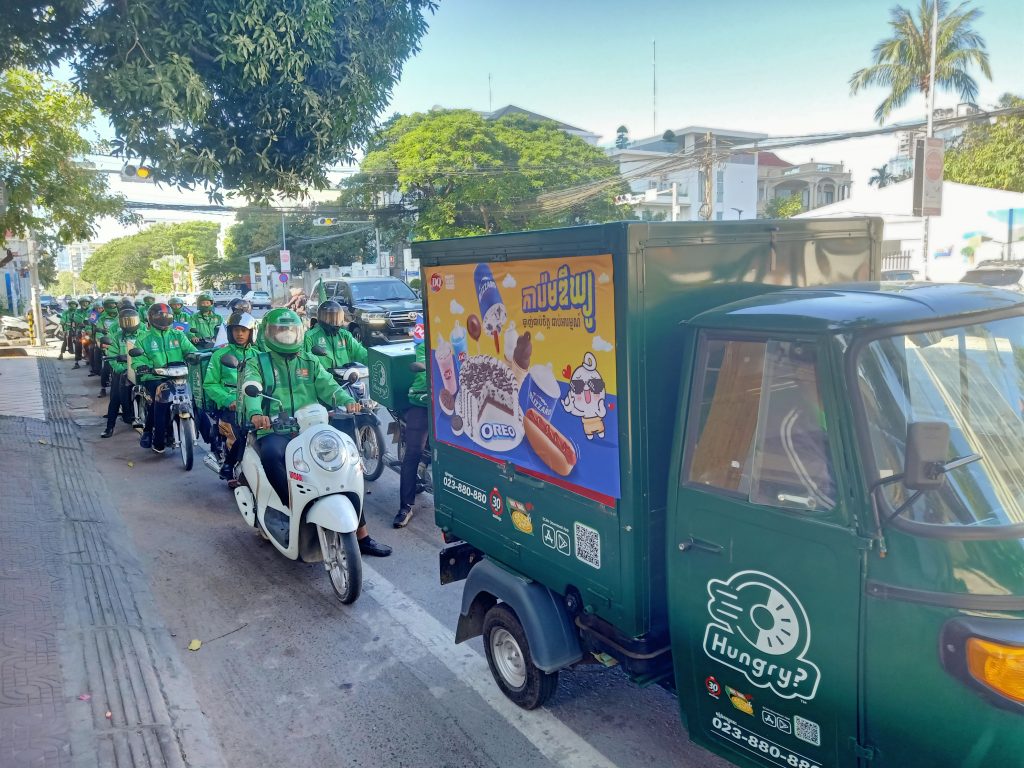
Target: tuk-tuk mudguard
[{"x": 553, "y": 640}]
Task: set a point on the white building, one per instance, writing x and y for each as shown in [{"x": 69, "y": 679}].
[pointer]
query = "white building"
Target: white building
[
  {"x": 973, "y": 227},
  {"x": 733, "y": 176},
  {"x": 511, "y": 109}
]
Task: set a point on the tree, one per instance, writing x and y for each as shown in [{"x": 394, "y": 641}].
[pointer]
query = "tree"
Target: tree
[
  {"x": 881, "y": 176},
  {"x": 65, "y": 284},
  {"x": 452, "y": 173},
  {"x": 991, "y": 155},
  {"x": 255, "y": 96},
  {"x": 621, "y": 137},
  {"x": 125, "y": 264},
  {"x": 902, "y": 62},
  {"x": 784, "y": 207},
  {"x": 50, "y": 194}
]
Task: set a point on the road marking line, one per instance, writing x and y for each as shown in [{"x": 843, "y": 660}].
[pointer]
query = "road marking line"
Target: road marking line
[{"x": 552, "y": 738}]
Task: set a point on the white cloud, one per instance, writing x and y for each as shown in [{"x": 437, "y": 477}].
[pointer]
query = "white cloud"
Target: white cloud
[
  {"x": 602, "y": 346},
  {"x": 509, "y": 282},
  {"x": 604, "y": 278},
  {"x": 539, "y": 335},
  {"x": 456, "y": 308}
]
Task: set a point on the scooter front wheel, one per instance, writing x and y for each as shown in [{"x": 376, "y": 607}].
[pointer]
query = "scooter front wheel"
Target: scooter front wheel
[
  {"x": 185, "y": 435},
  {"x": 370, "y": 442},
  {"x": 343, "y": 563}
]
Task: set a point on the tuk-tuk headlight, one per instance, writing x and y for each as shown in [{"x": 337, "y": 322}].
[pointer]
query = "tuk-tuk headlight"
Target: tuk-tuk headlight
[
  {"x": 328, "y": 451},
  {"x": 1000, "y": 667}
]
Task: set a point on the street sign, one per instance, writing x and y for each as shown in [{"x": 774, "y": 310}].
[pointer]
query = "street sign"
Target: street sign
[
  {"x": 324, "y": 221},
  {"x": 928, "y": 177},
  {"x": 283, "y": 277},
  {"x": 286, "y": 261}
]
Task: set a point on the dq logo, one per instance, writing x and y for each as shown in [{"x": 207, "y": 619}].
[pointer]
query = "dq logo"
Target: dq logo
[
  {"x": 436, "y": 281},
  {"x": 759, "y": 628}
]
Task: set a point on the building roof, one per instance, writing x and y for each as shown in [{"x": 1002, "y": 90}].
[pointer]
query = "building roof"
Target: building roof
[
  {"x": 770, "y": 159},
  {"x": 512, "y": 109}
]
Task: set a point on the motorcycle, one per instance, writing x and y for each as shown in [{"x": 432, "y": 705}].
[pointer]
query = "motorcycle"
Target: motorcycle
[
  {"x": 175, "y": 391},
  {"x": 369, "y": 439},
  {"x": 396, "y": 431},
  {"x": 319, "y": 519},
  {"x": 13, "y": 328}
]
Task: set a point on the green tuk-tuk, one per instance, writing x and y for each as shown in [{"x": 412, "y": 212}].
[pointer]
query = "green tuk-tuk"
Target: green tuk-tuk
[{"x": 726, "y": 459}]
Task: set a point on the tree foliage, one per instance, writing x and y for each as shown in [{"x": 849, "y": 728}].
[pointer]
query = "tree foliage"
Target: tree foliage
[
  {"x": 991, "y": 155},
  {"x": 49, "y": 193},
  {"x": 621, "y": 137},
  {"x": 255, "y": 95},
  {"x": 450, "y": 173},
  {"x": 125, "y": 264},
  {"x": 902, "y": 62},
  {"x": 881, "y": 176},
  {"x": 784, "y": 207}
]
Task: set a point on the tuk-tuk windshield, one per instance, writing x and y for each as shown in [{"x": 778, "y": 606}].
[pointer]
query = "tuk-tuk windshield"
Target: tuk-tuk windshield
[{"x": 971, "y": 378}]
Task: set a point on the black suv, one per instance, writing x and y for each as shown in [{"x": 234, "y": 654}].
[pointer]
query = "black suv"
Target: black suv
[{"x": 378, "y": 309}]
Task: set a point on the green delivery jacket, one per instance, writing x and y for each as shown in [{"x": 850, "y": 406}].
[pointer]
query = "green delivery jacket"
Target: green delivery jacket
[
  {"x": 161, "y": 348},
  {"x": 80, "y": 318},
  {"x": 117, "y": 347},
  {"x": 419, "y": 392},
  {"x": 67, "y": 318},
  {"x": 203, "y": 326},
  {"x": 106, "y": 325},
  {"x": 220, "y": 383},
  {"x": 342, "y": 348},
  {"x": 295, "y": 381}
]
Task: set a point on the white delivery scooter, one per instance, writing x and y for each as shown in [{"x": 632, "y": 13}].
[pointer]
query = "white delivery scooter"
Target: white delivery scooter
[{"x": 318, "y": 521}]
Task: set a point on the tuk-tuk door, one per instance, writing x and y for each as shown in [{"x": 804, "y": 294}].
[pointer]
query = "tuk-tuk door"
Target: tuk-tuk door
[{"x": 764, "y": 567}]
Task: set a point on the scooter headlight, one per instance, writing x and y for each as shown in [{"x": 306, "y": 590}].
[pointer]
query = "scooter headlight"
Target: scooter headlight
[
  {"x": 328, "y": 451},
  {"x": 300, "y": 461}
]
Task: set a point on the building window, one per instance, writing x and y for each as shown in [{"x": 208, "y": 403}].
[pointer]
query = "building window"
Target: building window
[
  {"x": 652, "y": 184},
  {"x": 718, "y": 216},
  {"x": 760, "y": 192},
  {"x": 720, "y": 183},
  {"x": 828, "y": 196},
  {"x": 805, "y": 198}
]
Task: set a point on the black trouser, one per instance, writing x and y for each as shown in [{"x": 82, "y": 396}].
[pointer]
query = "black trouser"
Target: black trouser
[
  {"x": 119, "y": 400},
  {"x": 95, "y": 358},
  {"x": 157, "y": 416},
  {"x": 415, "y": 442},
  {"x": 105, "y": 373},
  {"x": 79, "y": 349},
  {"x": 234, "y": 453}
]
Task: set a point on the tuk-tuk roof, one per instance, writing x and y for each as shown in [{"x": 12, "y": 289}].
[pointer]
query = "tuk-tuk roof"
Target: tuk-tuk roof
[{"x": 856, "y": 306}]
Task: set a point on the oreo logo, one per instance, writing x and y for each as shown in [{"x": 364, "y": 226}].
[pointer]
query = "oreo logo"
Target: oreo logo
[{"x": 497, "y": 431}]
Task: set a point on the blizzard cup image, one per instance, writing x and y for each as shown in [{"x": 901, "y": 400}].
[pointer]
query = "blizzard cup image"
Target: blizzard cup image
[
  {"x": 459, "y": 345},
  {"x": 492, "y": 309},
  {"x": 542, "y": 393}
]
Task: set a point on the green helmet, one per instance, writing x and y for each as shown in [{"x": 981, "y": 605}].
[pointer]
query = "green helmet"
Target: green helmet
[
  {"x": 110, "y": 302},
  {"x": 149, "y": 299},
  {"x": 282, "y": 331},
  {"x": 85, "y": 301},
  {"x": 175, "y": 301},
  {"x": 204, "y": 302}
]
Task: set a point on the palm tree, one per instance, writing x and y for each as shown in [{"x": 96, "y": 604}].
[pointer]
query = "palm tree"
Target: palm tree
[
  {"x": 903, "y": 61},
  {"x": 881, "y": 177}
]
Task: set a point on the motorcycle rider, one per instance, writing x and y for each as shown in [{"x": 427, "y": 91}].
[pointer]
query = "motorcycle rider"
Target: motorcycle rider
[
  {"x": 330, "y": 333},
  {"x": 204, "y": 324},
  {"x": 161, "y": 345},
  {"x": 178, "y": 314},
  {"x": 120, "y": 387},
  {"x": 95, "y": 353},
  {"x": 79, "y": 320},
  {"x": 295, "y": 378},
  {"x": 416, "y": 426},
  {"x": 106, "y": 327},
  {"x": 66, "y": 320},
  {"x": 221, "y": 386},
  {"x": 148, "y": 300}
]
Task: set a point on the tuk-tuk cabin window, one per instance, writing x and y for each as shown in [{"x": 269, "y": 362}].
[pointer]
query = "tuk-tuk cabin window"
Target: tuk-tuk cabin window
[{"x": 761, "y": 429}]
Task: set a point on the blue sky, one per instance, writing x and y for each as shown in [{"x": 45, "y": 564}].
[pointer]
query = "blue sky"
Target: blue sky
[{"x": 779, "y": 68}]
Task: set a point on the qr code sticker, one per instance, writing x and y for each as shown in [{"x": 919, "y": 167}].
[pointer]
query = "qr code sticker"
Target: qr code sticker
[
  {"x": 807, "y": 730},
  {"x": 588, "y": 545}
]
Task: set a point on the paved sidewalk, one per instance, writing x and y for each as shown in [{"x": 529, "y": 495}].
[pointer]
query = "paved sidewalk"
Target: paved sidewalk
[{"x": 89, "y": 675}]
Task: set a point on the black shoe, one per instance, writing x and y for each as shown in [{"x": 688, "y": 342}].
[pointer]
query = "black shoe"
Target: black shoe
[
  {"x": 103, "y": 393},
  {"x": 227, "y": 472},
  {"x": 146, "y": 441},
  {"x": 403, "y": 517},
  {"x": 93, "y": 374},
  {"x": 158, "y": 449},
  {"x": 60, "y": 357},
  {"x": 368, "y": 546},
  {"x": 75, "y": 367},
  {"x": 108, "y": 433}
]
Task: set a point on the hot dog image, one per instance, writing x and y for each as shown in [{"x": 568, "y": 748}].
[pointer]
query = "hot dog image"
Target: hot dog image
[{"x": 550, "y": 445}]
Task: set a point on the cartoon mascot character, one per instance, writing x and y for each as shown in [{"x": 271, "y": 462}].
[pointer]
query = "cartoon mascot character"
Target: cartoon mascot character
[{"x": 586, "y": 397}]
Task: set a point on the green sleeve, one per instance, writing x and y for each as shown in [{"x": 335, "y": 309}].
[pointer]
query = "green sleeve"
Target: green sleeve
[
  {"x": 309, "y": 339},
  {"x": 187, "y": 345},
  {"x": 116, "y": 348},
  {"x": 143, "y": 359},
  {"x": 419, "y": 391},
  {"x": 357, "y": 352},
  {"x": 251, "y": 372},
  {"x": 327, "y": 389},
  {"x": 213, "y": 382}
]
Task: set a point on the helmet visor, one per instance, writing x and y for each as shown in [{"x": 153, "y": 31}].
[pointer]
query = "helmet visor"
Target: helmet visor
[
  {"x": 331, "y": 315},
  {"x": 285, "y": 336}
]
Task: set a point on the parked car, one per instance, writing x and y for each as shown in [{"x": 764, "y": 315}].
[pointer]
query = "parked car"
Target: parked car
[
  {"x": 900, "y": 275},
  {"x": 379, "y": 309},
  {"x": 258, "y": 299},
  {"x": 223, "y": 298},
  {"x": 998, "y": 274},
  {"x": 47, "y": 301}
]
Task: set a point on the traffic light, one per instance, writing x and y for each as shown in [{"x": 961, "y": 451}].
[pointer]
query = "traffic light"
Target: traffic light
[
  {"x": 141, "y": 172},
  {"x": 324, "y": 221}
]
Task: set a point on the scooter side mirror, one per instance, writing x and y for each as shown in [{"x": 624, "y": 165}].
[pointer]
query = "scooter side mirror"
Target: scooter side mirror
[
  {"x": 122, "y": 358},
  {"x": 319, "y": 350},
  {"x": 417, "y": 367},
  {"x": 105, "y": 340},
  {"x": 353, "y": 377},
  {"x": 136, "y": 352},
  {"x": 253, "y": 389},
  {"x": 927, "y": 452},
  {"x": 230, "y": 361}
]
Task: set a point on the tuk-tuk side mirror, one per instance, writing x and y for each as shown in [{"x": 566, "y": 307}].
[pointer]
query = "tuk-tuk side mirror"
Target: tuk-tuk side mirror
[
  {"x": 319, "y": 350},
  {"x": 229, "y": 361},
  {"x": 927, "y": 453},
  {"x": 122, "y": 358},
  {"x": 253, "y": 389},
  {"x": 136, "y": 352}
]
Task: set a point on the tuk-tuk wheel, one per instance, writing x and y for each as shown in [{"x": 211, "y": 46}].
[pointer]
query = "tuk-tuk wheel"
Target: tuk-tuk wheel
[{"x": 508, "y": 656}]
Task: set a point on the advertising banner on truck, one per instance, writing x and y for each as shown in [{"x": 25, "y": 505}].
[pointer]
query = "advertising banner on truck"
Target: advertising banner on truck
[{"x": 523, "y": 366}]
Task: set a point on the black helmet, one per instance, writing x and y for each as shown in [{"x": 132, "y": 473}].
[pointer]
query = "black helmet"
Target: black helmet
[
  {"x": 330, "y": 314},
  {"x": 128, "y": 319},
  {"x": 127, "y": 304},
  {"x": 240, "y": 306},
  {"x": 160, "y": 316}
]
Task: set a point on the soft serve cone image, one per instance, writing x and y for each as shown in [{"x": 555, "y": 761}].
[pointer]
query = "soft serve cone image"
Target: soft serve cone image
[{"x": 493, "y": 314}]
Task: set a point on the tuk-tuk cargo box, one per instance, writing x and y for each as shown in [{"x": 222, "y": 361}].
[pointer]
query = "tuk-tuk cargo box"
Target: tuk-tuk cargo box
[
  {"x": 390, "y": 376},
  {"x": 555, "y": 361}
]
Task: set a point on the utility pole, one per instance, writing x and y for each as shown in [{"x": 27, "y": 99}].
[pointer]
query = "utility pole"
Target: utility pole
[
  {"x": 707, "y": 166},
  {"x": 284, "y": 239},
  {"x": 931, "y": 127},
  {"x": 654, "y": 86},
  {"x": 675, "y": 200},
  {"x": 37, "y": 310}
]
